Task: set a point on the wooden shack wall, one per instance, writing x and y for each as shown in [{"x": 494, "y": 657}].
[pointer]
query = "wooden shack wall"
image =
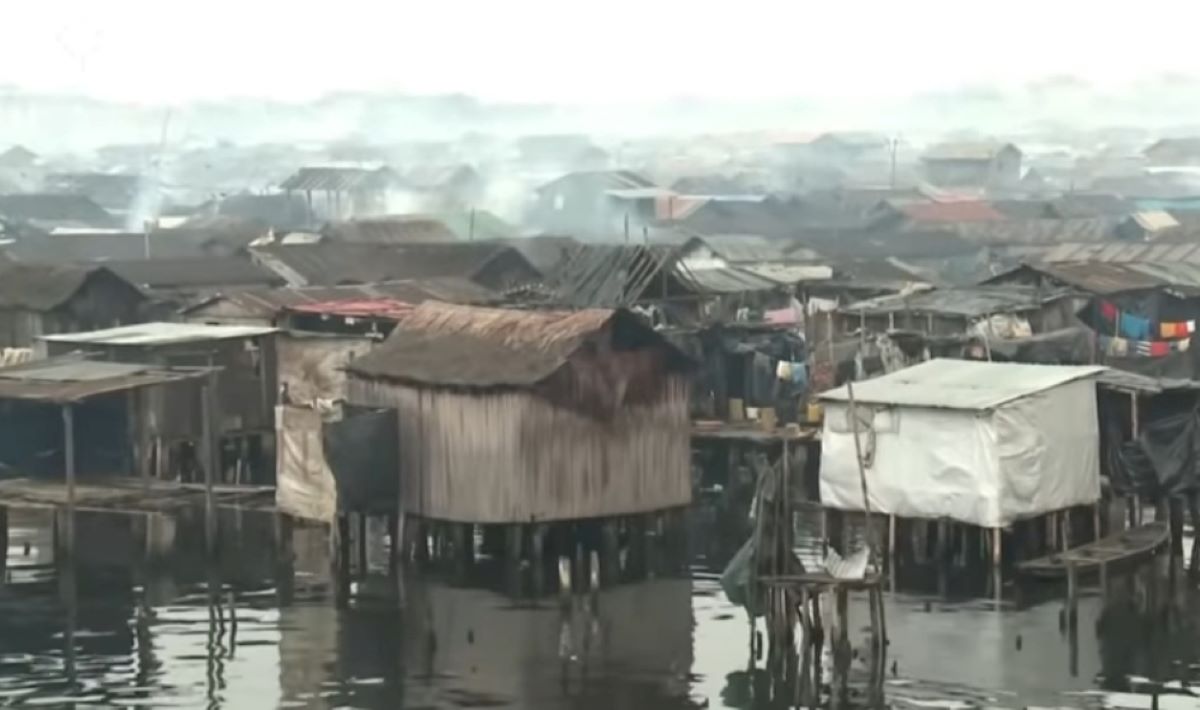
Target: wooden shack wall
[{"x": 510, "y": 456}]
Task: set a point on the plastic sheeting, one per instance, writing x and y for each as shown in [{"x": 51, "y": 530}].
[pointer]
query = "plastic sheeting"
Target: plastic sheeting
[
  {"x": 304, "y": 484},
  {"x": 362, "y": 453},
  {"x": 1162, "y": 460},
  {"x": 989, "y": 468}
]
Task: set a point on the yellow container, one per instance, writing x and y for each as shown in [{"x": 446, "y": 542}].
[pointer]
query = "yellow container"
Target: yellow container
[{"x": 815, "y": 413}]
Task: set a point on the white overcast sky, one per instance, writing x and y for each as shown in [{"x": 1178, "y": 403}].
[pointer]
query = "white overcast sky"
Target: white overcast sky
[{"x": 560, "y": 50}]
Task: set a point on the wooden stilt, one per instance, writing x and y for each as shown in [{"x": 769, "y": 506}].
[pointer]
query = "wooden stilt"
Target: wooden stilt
[
  {"x": 1096, "y": 528},
  {"x": 3, "y": 545},
  {"x": 804, "y": 695},
  {"x": 1072, "y": 594},
  {"x": 997, "y": 561},
  {"x": 341, "y": 562},
  {"x": 68, "y": 415},
  {"x": 396, "y": 545},
  {"x": 514, "y": 535},
  {"x": 360, "y": 536},
  {"x": 842, "y": 652},
  {"x": 610, "y": 548},
  {"x": 891, "y": 545}
]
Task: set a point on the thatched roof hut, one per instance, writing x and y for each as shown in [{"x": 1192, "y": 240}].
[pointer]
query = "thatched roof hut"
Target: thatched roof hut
[{"x": 512, "y": 416}]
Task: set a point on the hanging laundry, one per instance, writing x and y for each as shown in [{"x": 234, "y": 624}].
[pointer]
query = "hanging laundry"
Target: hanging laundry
[
  {"x": 1108, "y": 311},
  {"x": 1133, "y": 327},
  {"x": 1170, "y": 330},
  {"x": 1116, "y": 347},
  {"x": 1153, "y": 348}
]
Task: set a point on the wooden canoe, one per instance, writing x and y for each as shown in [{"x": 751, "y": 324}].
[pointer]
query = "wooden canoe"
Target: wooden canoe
[{"x": 1123, "y": 547}]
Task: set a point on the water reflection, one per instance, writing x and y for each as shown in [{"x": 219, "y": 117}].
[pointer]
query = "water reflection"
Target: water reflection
[{"x": 142, "y": 616}]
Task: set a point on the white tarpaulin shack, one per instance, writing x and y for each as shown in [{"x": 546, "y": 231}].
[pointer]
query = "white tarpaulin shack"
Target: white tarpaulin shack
[{"x": 983, "y": 443}]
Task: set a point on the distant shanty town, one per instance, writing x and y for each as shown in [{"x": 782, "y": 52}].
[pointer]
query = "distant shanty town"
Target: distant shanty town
[{"x": 520, "y": 332}]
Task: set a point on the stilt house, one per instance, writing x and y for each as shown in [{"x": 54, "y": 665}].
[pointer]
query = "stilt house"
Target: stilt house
[{"x": 509, "y": 416}]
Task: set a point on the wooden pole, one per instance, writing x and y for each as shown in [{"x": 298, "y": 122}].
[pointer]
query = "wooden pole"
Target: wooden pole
[
  {"x": 210, "y": 459},
  {"x": 361, "y": 541},
  {"x": 1135, "y": 515},
  {"x": 862, "y": 473},
  {"x": 997, "y": 561},
  {"x": 68, "y": 415}
]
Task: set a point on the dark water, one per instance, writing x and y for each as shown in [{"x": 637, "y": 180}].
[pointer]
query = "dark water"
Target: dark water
[{"x": 141, "y": 620}]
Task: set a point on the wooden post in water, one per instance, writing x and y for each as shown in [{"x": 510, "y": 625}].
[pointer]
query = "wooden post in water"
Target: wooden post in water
[
  {"x": 997, "y": 561},
  {"x": 68, "y": 415},
  {"x": 210, "y": 458},
  {"x": 3, "y": 544},
  {"x": 341, "y": 562},
  {"x": 1135, "y": 514},
  {"x": 361, "y": 540}
]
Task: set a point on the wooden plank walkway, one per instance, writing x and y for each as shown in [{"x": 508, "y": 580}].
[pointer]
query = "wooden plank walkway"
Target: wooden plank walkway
[{"x": 130, "y": 495}]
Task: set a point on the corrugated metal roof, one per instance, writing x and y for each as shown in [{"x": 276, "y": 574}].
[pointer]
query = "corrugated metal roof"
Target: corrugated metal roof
[
  {"x": 961, "y": 384},
  {"x": 71, "y": 379},
  {"x": 390, "y": 229},
  {"x": 339, "y": 179},
  {"x": 1125, "y": 252},
  {"x": 969, "y": 302},
  {"x": 267, "y": 303},
  {"x": 966, "y": 150},
  {"x": 159, "y": 334},
  {"x": 1039, "y": 231},
  {"x": 43, "y": 287},
  {"x": 330, "y": 264},
  {"x": 790, "y": 274},
  {"x": 1155, "y": 220},
  {"x": 1106, "y": 278},
  {"x": 722, "y": 280},
  {"x": 956, "y": 211}
]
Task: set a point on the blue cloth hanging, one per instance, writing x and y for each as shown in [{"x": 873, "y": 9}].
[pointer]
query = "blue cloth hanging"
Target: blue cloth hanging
[{"x": 1134, "y": 327}]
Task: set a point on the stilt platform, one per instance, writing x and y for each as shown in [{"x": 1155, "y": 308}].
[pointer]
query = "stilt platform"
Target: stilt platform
[
  {"x": 130, "y": 495},
  {"x": 1127, "y": 546}
]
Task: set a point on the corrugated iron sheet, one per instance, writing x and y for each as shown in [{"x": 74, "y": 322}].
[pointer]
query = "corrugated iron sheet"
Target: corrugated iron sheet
[
  {"x": 338, "y": 179},
  {"x": 961, "y": 384},
  {"x": 1125, "y": 252},
  {"x": 159, "y": 334},
  {"x": 72, "y": 379},
  {"x": 968, "y": 302}
]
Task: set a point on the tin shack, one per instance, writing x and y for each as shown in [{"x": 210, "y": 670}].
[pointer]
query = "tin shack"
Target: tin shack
[
  {"x": 508, "y": 416},
  {"x": 246, "y": 389}
]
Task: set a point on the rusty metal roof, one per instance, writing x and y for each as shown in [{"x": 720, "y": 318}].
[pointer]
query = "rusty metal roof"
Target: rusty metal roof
[
  {"x": 266, "y": 303},
  {"x": 1126, "y": 252}
]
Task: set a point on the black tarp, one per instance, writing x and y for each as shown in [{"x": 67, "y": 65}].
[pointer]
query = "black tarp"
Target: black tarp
[
  {"x": 1161, "y": 461},
  {"x": 362, "y": 453}
]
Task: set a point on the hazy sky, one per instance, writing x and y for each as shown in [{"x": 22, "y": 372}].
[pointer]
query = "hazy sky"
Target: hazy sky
[{"x": 615, "y": 50}]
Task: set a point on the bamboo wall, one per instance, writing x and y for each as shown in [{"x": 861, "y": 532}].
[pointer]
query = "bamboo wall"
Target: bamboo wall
[{"x": 511, "y": 456}]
